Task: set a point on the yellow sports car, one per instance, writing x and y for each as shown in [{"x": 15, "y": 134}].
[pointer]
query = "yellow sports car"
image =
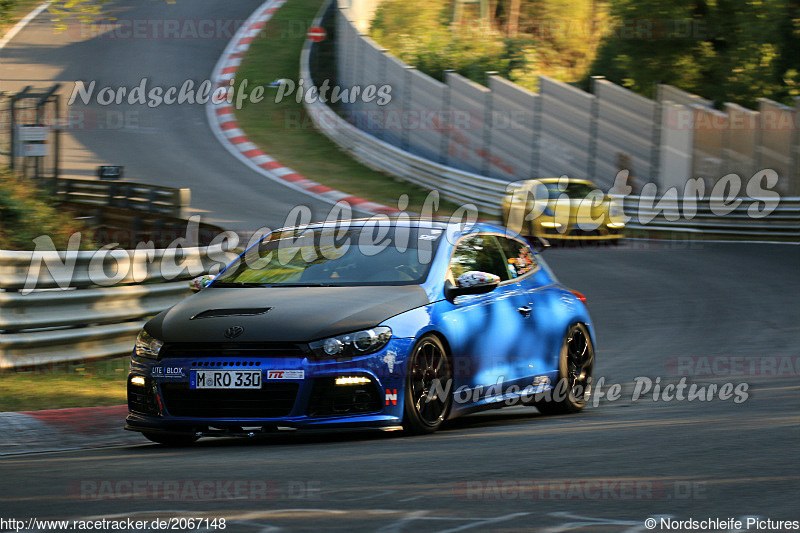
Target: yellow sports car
[{"x": 563, "y": 209}]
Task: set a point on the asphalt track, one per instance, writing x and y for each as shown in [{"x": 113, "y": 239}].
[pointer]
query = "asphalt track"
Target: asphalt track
[
  {"x": 169, "y": 145},
  {"x": 717, "y": 312}
]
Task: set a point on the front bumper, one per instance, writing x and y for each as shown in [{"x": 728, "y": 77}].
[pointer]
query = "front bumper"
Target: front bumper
[
  {"x": 166, "y": 403},
  {"x": 576, "y": 234}
]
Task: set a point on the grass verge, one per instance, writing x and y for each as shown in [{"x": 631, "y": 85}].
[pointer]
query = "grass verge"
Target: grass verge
[
  {"x": 27, "y": 212},
  {"x": 17, "y": 13},
  {"x": 76, "y": 384},
  {"x": 284, "y": 130}
]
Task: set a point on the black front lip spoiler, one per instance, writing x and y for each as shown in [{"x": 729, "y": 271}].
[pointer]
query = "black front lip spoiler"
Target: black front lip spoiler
[
  {"x": 206, "y": 432},
  {"x": 235, "y": 428}
]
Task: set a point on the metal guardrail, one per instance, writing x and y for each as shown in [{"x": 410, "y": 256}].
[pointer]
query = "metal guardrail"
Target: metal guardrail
[
  {"x": 77, "y": 308},
  {"x": 65, "y": 306},
  {"x": 486, "y": 193},
  {"x": 92, "y": 323},
  {"x": 782, "y": 222},
  {"x": 59, "y": 346},
  {"x": 452, "y": 184},
  {"x": 53, "y": 307},
  {"x": 128, "y": 228},
  {"x": 78, "y": 270},
  {"x": 126, "y": 195}
]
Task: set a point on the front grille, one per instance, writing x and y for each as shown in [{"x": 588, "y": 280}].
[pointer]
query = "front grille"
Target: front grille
[
  {"x": 208, "y": 363},
  {"x": 233, "y": 349},
  {"x": 142, "y": 399},
  {"x": 329, "y": 399},
  {"x": 586, "y": 232},
  {"x": 273, "y": 400}
]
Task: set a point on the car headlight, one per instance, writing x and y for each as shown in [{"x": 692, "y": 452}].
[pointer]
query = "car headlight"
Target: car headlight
[
  {"x": 147, "y": 346},
  {"x": 351, "y": 344}
]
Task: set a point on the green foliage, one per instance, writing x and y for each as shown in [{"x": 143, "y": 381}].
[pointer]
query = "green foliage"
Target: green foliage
[
  {"x": 5, "y": 10},
  {"x": 724, "y": 50},
  {"x": 83, "y": 10},
  {"x": 27, "y": 213},
  {"x": 419, "y": 33},
  {"x": 556, "y": 38}
]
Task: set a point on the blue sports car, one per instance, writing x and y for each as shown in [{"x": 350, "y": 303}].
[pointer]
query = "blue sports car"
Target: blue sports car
[{"x": 385, "y": 323}]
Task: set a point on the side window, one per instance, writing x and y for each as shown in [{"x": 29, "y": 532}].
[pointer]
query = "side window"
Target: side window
[
  {"x": 479, "y": 252},
  {"x": 519, "y": 255}
]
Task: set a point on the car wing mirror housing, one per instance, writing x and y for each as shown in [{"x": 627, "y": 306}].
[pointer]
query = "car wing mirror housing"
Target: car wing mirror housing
[
  {"x": 472, "y": 282},
  {"x": 200, "y": 282},
  {"x": 540, "y": 244}
]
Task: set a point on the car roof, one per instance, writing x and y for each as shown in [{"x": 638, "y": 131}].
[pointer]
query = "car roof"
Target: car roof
[{"x": 569, "y": 180}]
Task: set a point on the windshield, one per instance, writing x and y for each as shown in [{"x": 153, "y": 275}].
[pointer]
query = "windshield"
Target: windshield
[
  {"x": 575, "y": 191},
  {"x": 371, "y": 255}
]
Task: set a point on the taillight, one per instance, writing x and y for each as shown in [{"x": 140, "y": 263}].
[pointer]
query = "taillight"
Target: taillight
[{"x": 579, "y": 295}]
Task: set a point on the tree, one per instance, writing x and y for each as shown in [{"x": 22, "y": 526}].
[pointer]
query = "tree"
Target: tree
[
  {"x": 725, "y": 50},
  {"x": 512, "y": 28}
]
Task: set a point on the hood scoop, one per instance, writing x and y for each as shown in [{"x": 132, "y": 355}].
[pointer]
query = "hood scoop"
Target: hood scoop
[{"x": 213, "y": 313}]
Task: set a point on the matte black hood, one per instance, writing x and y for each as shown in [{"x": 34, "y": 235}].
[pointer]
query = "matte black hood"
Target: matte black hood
[{"x": 296, "y": 314}]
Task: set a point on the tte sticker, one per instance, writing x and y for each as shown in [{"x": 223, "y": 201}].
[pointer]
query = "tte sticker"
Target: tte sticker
[{"x": 286, "y": 374}]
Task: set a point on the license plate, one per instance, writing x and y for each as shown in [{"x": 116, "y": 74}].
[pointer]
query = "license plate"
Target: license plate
[{"x": 225, "y": 379}]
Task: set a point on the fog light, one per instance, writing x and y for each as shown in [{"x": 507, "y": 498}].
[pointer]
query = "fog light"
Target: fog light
[
  {"x": 137, "y": 380},
  {"x": 551, "y": 225},
  {"x": 616, "y": 224},
  {"x": 351, "y": 380}
]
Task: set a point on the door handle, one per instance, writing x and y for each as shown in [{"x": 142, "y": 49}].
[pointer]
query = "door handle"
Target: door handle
[{"x": 525, "y": 311}]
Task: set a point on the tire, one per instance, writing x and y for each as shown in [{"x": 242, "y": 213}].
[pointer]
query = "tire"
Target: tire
[
  {"x": 575, "y": 367},
  {"x": 428, "y": 362},
  {"x": 171, "y": 439}
]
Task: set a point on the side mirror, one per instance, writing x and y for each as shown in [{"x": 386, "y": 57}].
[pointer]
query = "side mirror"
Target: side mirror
[
  {"x": 472, "y": 282},
  {"x": 200, "y": 282},
  {"x": 540, "y": 244}
]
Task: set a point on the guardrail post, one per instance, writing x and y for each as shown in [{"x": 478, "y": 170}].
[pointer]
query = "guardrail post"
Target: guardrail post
[
  {"x": 537, "y": 136},
  {"x": 381, "y": 133},
  {"x": 126, "y": 196},
  {"x": 486, "y": 166},
  {"x": 591, "y": 160},
  {"x": 444, "y": 146},
  {"x": 184, "y": 199},
  {"x": 407, "y": 77},
  {"x": 655, "y": 147},
  {"x": 794, "y": 170},
  {"x": 136, "y": 227},
  {"x": 156, "y": 232},
  {"x": 151, "y": 201},
  {"x": 112, "y": 192}
]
